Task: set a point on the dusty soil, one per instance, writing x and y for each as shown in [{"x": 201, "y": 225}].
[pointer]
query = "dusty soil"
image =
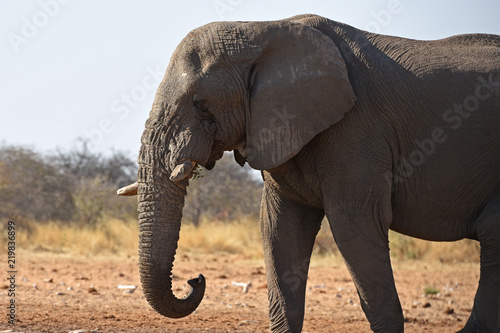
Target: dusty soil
[{"x": 53, "y": 295}]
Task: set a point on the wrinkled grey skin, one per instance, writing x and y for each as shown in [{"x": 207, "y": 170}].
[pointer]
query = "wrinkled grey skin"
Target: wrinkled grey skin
[{"x": 376, "y": 132}]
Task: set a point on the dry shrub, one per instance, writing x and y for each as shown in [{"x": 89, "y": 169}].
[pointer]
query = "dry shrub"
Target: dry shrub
[
  {"x": 405, "y": 247},
  {"x": 466, "y": 250},
  {"x": 324, "y": 245},
  {"x": 239, "y": 237}
]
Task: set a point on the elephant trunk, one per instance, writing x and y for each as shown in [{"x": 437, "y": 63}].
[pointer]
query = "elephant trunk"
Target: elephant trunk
[{"x": 160, "y": 212}]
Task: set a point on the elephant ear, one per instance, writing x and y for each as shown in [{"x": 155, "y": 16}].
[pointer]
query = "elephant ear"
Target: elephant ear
[{"x": 299, "y": 87}]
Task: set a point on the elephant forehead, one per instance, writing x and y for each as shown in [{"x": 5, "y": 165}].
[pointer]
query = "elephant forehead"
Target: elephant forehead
[
  {"x": 207, "y": 44},
  {"x": 199, "y": 51},
  {"x": 188, "y": 64}
]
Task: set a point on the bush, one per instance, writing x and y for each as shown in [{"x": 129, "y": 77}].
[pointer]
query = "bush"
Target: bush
[
  {"x": 31, "y": 188},
  {"x": 72, "y": 186}
]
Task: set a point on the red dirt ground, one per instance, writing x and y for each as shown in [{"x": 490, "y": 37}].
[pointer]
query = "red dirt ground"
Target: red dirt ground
[{"x": 61, "y": 301}]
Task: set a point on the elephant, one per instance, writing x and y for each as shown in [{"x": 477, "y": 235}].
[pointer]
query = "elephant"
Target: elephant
[{"x": 374, "y": 132}]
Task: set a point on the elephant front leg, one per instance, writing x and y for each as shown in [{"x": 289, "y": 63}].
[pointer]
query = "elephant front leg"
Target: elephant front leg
[
  {"x": 363, "y": 243},
  {"x": 288, "y": 233}
]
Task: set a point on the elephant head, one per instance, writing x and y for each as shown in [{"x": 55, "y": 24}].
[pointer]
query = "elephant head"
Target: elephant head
[{"x": 263, "y": 89}]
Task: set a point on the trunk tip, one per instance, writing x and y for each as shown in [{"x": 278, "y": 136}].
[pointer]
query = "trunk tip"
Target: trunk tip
[
  {"x": 172, "y": 307},
  {"x": 197, "y": 282}
]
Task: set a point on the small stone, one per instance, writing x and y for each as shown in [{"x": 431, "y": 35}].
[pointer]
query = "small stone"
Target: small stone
[
  {"x": 93, "y": 291},
  {"x": 427, "y": 305},
  {"x": 48, "y": 280},
  {"x": 83, "y": 278},
  {"x": 449, "y": 311},
  {"x": 59, "y": 293},
  {"x": 416, "y": 304}
]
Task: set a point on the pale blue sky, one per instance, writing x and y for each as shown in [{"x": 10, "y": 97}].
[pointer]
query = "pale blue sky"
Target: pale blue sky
[{"x": 75, "y": 68}]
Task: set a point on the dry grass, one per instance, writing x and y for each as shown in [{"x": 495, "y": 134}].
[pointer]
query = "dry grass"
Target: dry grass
[
  {"x": 404, "y": 248},
  {"x": 114, "y": 236},
  {"x": 118, "y": 236},
  {"x": 241, "y": 237}
]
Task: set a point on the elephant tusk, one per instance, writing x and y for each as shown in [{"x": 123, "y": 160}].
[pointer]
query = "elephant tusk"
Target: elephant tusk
[
  {"x": 182, "y": 170},
  {"x": 128, "y": 190}
]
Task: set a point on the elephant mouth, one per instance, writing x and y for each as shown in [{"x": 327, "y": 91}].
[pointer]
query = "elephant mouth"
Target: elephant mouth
[
  {"x": 210, "y": 166},
  {"x": 183, "y": 170},
  {"x": 186, "y": 167},
  {"x": 214, "y": 157}
]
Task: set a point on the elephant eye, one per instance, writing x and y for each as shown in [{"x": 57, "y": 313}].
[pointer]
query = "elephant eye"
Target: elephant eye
[
  {"x": 202, "y": 112},
  {"x": 201, "y": 105}
]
